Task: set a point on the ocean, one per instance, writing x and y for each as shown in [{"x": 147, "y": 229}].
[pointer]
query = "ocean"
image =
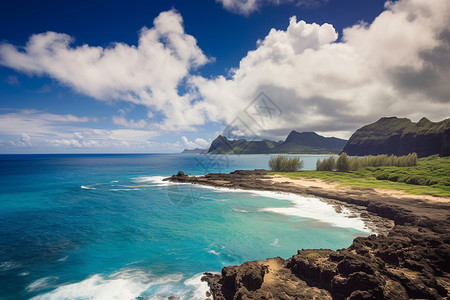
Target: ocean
[{"x": 106, "y": 227}]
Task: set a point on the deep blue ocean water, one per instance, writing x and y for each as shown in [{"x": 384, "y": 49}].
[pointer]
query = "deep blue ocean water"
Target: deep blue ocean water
[{"x": 107, "y": 227}]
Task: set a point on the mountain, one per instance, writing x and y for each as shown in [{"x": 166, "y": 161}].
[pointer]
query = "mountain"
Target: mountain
[
  {"x": 223, "y": 145},
  {"x": 401, "y": 136},
  {"x": 311, "y": 143},
  {"x": 295, "y": 143},
  {"x": 196, "y": 150}
]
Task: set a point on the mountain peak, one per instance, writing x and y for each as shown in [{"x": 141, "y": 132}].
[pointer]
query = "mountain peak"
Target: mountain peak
[{"x": 423, "y": 121}]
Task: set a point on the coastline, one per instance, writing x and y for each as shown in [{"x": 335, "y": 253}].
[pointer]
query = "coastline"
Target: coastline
[
  {"x": 373, "y": 224},
  {"x": 408, "y": 260}
]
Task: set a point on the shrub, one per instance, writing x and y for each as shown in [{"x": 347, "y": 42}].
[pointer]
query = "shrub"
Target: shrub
[
  {"x": 328, "y": 164},
  {"x": 393, "y": 177},
  {"x": 383, "y": 176},
  {"x": 372, "y": 163},
  {"x": 416, "y": 180},
  {"x": 285, "y": 164},
  {"x": 354, "y": 163},
  {"x": 342, "y": 163}
]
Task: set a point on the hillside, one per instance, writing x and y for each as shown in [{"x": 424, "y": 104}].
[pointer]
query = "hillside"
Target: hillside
[
  {"x": 295, "y": 143},
  {"x": 223, "y": 145},
  {"x": 401, "y": 136},
  {"x": 310, "y": 142}
]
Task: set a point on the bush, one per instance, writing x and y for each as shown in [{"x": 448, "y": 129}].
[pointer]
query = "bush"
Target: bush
[
  {"x": 383, "y": 176},
  {"x": 342, "y": 163},
  {"x": 285, "y": 164},
  {"x": 328, "y": 164},
  {"x": 354, "y": 163},
  {"x": 416, "y": 180},
  {"x": 345, "y": 163},
  {"x": 393, "y": 177}
]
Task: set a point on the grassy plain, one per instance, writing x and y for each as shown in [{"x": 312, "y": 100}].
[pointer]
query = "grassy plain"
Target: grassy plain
[{"x": 431, "y": 176}]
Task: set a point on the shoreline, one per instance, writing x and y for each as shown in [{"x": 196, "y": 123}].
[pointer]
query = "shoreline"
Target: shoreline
[
  {"x": 373, "y": 224},
  {"x": 323, "y": 184},
  {"x": 408, "y": 260}
]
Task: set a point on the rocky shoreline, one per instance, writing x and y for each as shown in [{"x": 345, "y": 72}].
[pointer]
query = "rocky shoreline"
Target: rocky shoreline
[{"x": 409, "y": 261}]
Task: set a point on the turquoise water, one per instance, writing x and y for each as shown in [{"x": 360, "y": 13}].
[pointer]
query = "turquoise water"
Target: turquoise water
[{"x": 107, "y": 227}]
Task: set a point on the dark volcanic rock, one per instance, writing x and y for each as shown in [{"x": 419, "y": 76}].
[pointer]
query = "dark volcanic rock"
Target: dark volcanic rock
[{"x": 411, "y": 261}]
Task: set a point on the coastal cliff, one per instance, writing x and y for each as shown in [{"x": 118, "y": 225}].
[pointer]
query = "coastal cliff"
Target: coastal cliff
[
  {"x": 412, "y": 260},
  {"x": 400, "y": 136}
]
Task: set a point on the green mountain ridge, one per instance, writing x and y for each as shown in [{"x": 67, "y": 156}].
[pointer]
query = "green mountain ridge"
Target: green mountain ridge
[
  {"x": 400, "y": 136},
  {"x": 295, "y": 143}
]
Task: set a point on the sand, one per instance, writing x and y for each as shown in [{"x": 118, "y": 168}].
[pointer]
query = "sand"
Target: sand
[{"x": 333, "y": 185}]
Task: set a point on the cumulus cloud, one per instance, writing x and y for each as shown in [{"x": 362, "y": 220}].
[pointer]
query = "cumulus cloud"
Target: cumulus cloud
[
  {"x": 246, "y": 7},
  {"x": 147, "y": 74},
  {"x": 398, "y": 65},
  {"x": 197, "y": 143}
]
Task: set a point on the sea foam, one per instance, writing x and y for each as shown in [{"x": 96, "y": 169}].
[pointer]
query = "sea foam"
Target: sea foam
[
  {"x": 314, "y": 208},
  {"x": 9, "y": 265},
  {"x": 87, "y": 188},
  {"x": 301, "y": 206},
  {"x": 154, "y": 180},
  {"x": 126, "y": 285}
]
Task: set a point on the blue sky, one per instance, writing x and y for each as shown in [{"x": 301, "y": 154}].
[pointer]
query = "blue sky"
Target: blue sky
[{"x": 161, "y": 76}]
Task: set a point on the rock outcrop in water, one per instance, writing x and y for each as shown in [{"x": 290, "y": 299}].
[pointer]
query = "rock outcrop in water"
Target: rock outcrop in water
[
  {"x": 400, "y": 136},
  {"x": 411, "y": 262}
]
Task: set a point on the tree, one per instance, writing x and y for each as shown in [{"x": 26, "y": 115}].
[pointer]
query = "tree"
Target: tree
[
  {"x": 285, "y": 164},
  {"x": 342, "y": 163}
]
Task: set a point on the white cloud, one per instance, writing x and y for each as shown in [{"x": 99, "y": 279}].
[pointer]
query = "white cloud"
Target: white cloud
[
  {"x": 45, "y": 132},
  {"x": 398, "y": 65},
  {"x": 246, "y": 7},
  {"x": 197, "y": 143},
  {"x": 36, "y": 123},
  {"x": 23, "y": 141},
  {"x": 129, "y": 123},
  {"x": 146, "y": 74}
]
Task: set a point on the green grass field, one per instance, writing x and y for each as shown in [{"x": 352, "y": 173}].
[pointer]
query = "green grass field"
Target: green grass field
[{"x": 431, "y": 176}]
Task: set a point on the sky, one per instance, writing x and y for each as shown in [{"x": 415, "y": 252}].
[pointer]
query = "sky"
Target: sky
[{"x": 148, "y": 76}]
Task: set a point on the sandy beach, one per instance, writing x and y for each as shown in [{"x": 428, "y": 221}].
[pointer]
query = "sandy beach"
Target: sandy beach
[{"x": 330, "y": 185}]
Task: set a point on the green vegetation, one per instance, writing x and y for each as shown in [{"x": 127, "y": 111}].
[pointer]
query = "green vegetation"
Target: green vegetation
[
  {"x": 430, "y": 176},
  {"x": 313, "y": 254},
  {"x": 431, "y": 171},
  {"x": 285, "y": 164},
  {"x": 400, "y": 136},
  {"x": 328, "y": 164},
  {"x": 345, "y": 163}
]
